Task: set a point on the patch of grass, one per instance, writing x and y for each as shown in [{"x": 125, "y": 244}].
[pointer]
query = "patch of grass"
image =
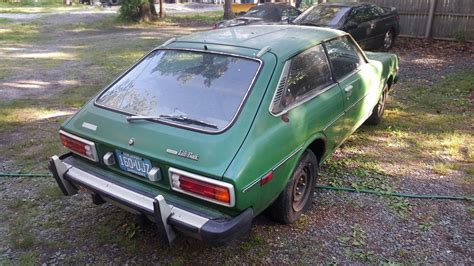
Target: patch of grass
[
  {"x": 253, "y": 242},
  {"x": 355, "y": 244},
  {"x": 78, "y": 96},
  {"x": 18, "y": 33},
  {"x": 50, "y": 193},
  {"x": 29, "y": 258},
  {"x": 441, "y": 168},
  {"x": 425, "y": 226},
  {"x": 20, "y": 235},
  {"x": 197, "y": 19},
  {"x": 4, "y": 21},
  {"x": 400, "y": 207}
]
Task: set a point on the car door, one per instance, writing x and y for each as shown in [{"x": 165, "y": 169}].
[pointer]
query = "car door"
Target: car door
[{"x": 351, "y": 71}]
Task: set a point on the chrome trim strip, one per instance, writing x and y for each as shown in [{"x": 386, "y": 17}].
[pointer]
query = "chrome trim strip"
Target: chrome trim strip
[
  {"x": 168, "y": 42},
  {"x": 263, "y": 51},
  {"x": 334, "y": 120},
  {"x": 308, "y": 98},
  {"x": 180, "y": 125},
  {"x": 85, "y": 141},
  {"x": 256, "y": 181},
  {"x": 284, "y": 72},
  {"x": 229, "y": 186},
  {"x": 132, "y": 197},
  {"x": 287, "y": 158}
]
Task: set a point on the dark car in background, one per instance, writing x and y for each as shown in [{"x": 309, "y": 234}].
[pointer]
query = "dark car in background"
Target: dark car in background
[
  {"x": 267, "y": 13},
  {"x": 370, "y": 25}
]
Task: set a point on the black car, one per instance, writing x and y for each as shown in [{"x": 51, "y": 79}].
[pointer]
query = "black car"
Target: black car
[
  {"x": 370, "y": 25},
  {"x": 267, "y": 13}
]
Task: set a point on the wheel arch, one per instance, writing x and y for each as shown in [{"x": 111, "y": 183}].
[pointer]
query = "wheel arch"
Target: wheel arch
[{"x": 317, "y": 144}]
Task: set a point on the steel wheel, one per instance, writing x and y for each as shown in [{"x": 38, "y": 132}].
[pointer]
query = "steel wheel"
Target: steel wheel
[
  {"x": 297, "y": 196},
  {"x": 300, "y": 190}
]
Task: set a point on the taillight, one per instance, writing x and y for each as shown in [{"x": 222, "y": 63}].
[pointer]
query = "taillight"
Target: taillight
[
  {"x": 202, "y": 187},
  {"x": 80, "y": 146}
]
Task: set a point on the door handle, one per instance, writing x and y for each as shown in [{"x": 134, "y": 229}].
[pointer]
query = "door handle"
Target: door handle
[{"x": 348, "y": 89}]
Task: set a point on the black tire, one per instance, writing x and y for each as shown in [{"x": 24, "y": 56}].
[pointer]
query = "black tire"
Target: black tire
[
  {"x": 388, "y": 40},
  {"x": 377, "y": 113},
  {"x": 292, "y": 202}
]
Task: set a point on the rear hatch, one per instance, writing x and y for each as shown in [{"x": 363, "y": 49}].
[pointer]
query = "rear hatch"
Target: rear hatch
[{"x": 200, "y": 106}]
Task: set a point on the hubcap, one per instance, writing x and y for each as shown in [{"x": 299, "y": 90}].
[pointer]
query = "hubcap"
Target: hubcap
[
  {"x": 301, "y": 189},
  {"x": 387, "y": 42},
  {"x": 381, "y": 105}
]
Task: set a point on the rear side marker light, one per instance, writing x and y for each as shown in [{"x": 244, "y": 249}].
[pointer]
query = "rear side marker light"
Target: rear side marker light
[
  {"x": 79, "y": 146},
  {"x": 202, "y": 187},
  {"x": 266, "y": 178}
]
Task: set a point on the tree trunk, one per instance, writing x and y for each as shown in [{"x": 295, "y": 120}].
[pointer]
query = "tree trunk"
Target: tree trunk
[
  {"x": 145, "y": 12},
  {"x": 152, "y": 7},
  {"x": 228, "y": 14}
]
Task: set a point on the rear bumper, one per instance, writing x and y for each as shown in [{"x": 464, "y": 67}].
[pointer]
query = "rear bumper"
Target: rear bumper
[{"x": 168, "y": 217}]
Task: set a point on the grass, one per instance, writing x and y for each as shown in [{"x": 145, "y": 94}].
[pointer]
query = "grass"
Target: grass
[
  {"x": 207, "y": 18},
  {"x": 30, "y": 7},
  {"x": 423, "y": 128}
]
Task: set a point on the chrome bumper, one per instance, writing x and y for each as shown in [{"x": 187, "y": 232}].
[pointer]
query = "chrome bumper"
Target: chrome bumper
[{"x": 167, "y": 217}]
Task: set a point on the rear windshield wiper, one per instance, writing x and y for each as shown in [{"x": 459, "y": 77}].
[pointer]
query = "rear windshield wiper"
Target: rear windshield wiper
[{"x": 180, "y": 118}]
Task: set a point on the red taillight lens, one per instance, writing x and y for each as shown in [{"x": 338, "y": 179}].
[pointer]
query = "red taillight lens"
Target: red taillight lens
[
  {"x": 204, "y": 189},
  {"x": 78, "y": 145},
  {"x": 215, "y": 191}
]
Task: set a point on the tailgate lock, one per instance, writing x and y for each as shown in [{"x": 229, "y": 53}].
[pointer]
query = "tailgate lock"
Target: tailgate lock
[
  {"x": 109, "y": 159},
  {"x": 154, "y": 175}
]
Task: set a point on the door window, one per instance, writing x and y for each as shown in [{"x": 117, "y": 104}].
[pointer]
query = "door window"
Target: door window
[
  {"x": 360, "y": 14},
  {"x": 308, "y": 74},
  {"x": 344, "y": 55}
]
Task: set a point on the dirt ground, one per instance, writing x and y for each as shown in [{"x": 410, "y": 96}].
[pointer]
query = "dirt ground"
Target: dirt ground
[{"x": 50, "y": 65}]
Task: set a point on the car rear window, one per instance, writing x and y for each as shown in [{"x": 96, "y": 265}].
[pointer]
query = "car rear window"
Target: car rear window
[{"x": 206, "y": 87}]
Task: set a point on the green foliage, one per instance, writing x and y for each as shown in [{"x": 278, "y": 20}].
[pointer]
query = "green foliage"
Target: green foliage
[{"x": 130, "y": 10}]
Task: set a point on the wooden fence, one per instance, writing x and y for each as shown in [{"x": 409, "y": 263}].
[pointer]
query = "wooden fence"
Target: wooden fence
[{"x": 438, "y": 19}]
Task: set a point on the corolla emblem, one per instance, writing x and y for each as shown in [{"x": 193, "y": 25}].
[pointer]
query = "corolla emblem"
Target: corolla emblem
[
  {"x": 131, "y": 141},
  {"x": 184, "y": 154}
]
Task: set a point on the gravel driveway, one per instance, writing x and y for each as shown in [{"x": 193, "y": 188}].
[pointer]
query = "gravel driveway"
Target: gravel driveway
[{"x": 39, "y": 225}]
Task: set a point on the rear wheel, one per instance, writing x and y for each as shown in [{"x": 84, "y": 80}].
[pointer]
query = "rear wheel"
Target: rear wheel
[
  {"x": 297, "y": 196},
  {"x": 377, "y": 113},
  {"x": 388, "y": 39}
]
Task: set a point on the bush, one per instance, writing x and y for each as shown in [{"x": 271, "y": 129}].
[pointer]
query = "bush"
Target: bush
[{"x": 130, "y": 10}]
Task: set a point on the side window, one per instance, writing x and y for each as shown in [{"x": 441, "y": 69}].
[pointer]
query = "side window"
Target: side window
[
  {"x": 344, "y": 56},
  {"x": 360, "y": 14},
  {"x": 289, "y": 13},
  {"x": 308, "y": 74}
]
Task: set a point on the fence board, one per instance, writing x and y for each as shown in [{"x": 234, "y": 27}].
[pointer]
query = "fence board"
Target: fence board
[{"x": 452, "y": 18}]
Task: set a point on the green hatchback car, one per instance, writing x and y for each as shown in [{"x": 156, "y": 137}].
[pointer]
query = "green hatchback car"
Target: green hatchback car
[{"x": 207, "y": 131}]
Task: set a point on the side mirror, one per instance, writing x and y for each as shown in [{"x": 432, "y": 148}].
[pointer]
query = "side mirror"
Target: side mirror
[{"x": 350, "y": 25}]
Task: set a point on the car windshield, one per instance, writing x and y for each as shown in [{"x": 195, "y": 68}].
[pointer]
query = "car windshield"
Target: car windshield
[
  {"x": 199, "y": 86},
  {"x": 322, "y": 15},
  {"x": 265, "y": 12}
]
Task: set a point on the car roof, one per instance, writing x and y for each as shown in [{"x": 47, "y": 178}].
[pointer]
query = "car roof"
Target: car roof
[
  {"x": 348, "y": 4},
  {"x": 284, "y": 40},
  {"x": 275, "y": 5}
]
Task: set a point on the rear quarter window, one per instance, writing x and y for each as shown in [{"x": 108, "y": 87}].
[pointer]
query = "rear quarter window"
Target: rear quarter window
[{"x": 307, "y": 75}]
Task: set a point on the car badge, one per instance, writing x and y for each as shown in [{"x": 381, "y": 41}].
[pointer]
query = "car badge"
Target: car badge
[
  {"x": 131, "y": 141},
  {"x": 184, "y": 154}
]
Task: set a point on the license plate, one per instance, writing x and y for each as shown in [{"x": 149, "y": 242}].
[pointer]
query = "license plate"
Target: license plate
[{"x": 133, "y": 164}]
